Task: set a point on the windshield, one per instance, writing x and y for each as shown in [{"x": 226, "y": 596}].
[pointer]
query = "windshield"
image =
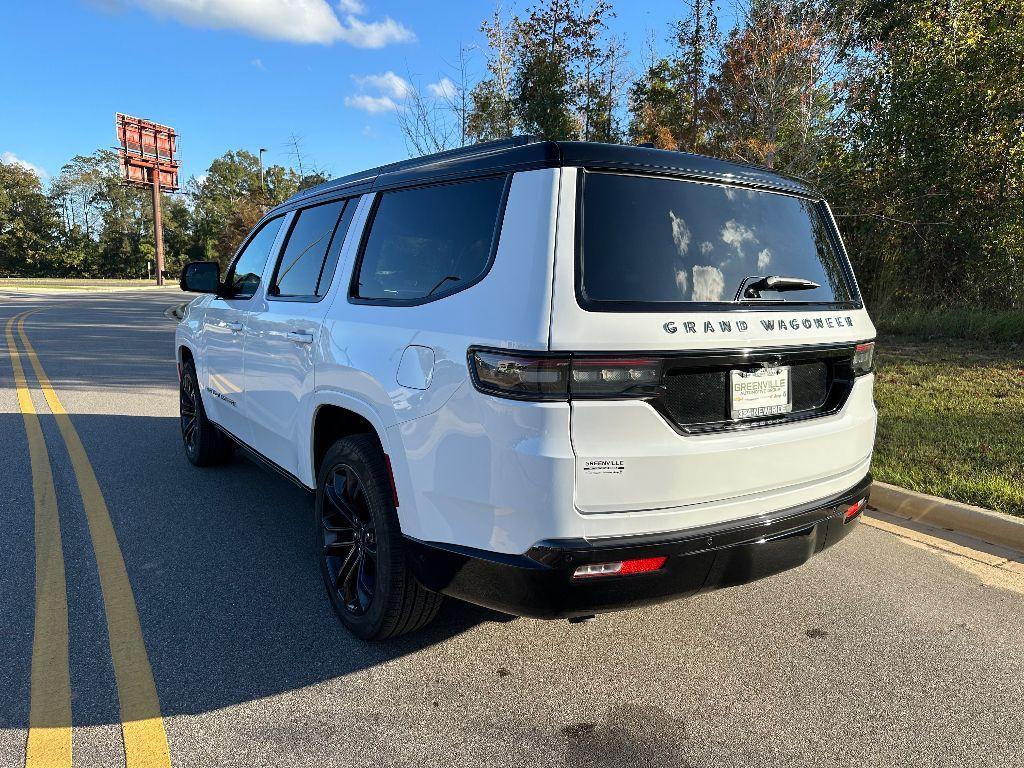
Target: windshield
[{"x": 649, "y": 240}]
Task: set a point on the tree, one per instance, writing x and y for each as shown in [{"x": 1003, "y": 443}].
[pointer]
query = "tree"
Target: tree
[
  {"x": 107, "y": 223},
  {"x": 772, "y": 101},
  {"x": 28, "y": 223},
  {"x": 927, "y": 175},
  {"x": 542, "y": 83},
  {"x": 555, "y": 73},
  {"x": 669, "y": 103},
  {"x": 440, "y": 118},
  {"x": 492, "y": 113},
  {"x": 229, "y": 201}
]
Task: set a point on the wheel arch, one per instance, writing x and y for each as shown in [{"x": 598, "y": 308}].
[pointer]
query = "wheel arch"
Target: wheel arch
[
  {"x": 185, "y": 354},
  {"x": 337, "y": 416}
]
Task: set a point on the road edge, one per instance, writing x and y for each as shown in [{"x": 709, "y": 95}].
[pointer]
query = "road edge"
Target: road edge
[{"x": 992, "y": 527}]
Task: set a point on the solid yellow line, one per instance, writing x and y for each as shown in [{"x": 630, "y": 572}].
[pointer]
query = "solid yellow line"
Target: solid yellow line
[
  {"x": 142, "y": 726},
  {"x": 49, "y": 720}
]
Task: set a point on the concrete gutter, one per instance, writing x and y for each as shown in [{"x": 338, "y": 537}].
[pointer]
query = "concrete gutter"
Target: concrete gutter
[{"x": 992, "y": 527}]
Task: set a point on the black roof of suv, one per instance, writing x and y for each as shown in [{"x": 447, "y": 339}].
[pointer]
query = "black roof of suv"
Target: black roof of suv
[{"x": 529, "y": 152}]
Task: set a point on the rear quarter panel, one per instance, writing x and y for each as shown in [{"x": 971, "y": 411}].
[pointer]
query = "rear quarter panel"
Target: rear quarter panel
[{"x": 362, "y": 345}]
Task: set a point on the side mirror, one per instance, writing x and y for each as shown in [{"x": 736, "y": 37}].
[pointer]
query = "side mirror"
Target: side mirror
[{"x": 201, "y": 277}]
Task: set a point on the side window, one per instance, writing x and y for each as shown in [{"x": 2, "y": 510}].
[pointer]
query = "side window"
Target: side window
[
  {"x": 429, "y": 242},
  {"x": 302, "y": 258},
  {"x": 248, "y": 266},
  {"x": 334, "y": 252}
]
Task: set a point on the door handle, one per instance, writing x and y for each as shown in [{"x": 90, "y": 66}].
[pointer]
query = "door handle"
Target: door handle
[
  {"x": 300, "y": 338},
  {"x": 234, "y": 327}
]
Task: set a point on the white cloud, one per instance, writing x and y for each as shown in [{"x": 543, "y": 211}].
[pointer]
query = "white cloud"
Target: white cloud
[
  {"x": 374, "y": 34},
  {"x": 387, "y": 83},
  {"x": 706, "y": 247},
  {"x": 296, "y": 21},
  {"x": 372, "y": 104},
  {"x": 682, "y": 281},
  {"x": 680, "y": 233},
  {"x": 764, "y": 258},
  {"x": 735, "y": 234},
  {"x": 258, "y": 63},
  {"x": 12, "y": 159},
  {"x": 708, "y": 283},
  {"x": 442, "y": 89},
  {"x": 387, "y": 91}
]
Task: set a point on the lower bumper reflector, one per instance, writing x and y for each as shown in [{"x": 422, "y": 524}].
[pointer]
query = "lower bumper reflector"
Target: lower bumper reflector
[{"x": 619, "y": 568}]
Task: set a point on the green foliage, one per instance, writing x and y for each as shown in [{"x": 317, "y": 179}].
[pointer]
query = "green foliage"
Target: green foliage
[
  {"x": 1000, "y": 326},
  {"x": 927, "y": 169},
  {"x": 671, "y": 102},
  {"x": 949, "y": 419},
  {"x": 28, "y": 222},
  {"x": 551, "y": 73},
  {"x": 91, "y": 224}
]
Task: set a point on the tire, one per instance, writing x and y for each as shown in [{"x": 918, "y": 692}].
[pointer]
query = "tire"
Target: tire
[
  {"x": 205, "y": 445},
  {"x": 360, "y": 548}
]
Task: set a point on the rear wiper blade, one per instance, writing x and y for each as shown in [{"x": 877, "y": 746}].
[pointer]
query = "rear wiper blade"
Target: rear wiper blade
[{"x": 751, "y": 287}]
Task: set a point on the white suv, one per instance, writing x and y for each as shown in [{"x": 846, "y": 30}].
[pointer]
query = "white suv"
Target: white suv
[{"x": 549, "y": 378}]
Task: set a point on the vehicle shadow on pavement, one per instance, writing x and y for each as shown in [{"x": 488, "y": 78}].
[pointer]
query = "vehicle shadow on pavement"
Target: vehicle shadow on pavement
[{"x": 222, "y": 566}]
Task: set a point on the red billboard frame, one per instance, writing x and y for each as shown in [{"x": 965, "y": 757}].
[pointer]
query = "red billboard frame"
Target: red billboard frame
[{"x": 147, "y": 150}]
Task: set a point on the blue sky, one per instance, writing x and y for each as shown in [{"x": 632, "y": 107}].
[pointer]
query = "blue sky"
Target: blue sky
[{"x": 239, "y": 74}]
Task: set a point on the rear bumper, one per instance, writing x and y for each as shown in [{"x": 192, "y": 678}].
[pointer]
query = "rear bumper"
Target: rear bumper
[{"x": 540, "y": 583}]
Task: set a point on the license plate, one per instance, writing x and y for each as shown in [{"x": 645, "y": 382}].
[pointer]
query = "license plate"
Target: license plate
[{"x": 761, "y": 392}]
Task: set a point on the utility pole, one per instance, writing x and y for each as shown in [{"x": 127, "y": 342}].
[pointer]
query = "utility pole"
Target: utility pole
[{"x": 263, "y": 186}]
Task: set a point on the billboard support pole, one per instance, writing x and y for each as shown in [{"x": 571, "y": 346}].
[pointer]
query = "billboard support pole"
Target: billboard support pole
[
  {"x": 158, "y": 229},
  {"x": 147, "y": 159}
]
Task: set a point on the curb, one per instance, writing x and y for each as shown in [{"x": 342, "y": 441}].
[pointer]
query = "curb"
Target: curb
[{"x": 992, "y": 527}]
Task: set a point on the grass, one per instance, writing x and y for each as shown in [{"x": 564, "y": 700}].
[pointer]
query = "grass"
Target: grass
[
  {"x": 951, "y": 420},
  {"x": 70, "y": 284},
  {"x": 970, "y": 324}
]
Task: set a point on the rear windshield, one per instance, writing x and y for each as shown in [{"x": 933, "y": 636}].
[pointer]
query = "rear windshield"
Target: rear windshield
[{"x": 649, "y": 241}]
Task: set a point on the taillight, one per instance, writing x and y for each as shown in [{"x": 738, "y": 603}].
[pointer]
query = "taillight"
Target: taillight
[
  {"x": 556, "y": 377},
  {"x": 619, "y": 568},
  {"x": 531, "y": 377},
  {"x": 864, "y": 358},
  {"x": 612, "y": 377}
]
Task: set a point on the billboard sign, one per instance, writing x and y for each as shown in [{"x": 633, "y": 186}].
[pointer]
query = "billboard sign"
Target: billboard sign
[{"x": 148, "y": 152}]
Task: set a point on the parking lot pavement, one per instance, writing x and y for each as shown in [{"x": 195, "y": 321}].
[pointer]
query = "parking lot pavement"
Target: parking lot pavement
[{"x": 883, "y": 651}]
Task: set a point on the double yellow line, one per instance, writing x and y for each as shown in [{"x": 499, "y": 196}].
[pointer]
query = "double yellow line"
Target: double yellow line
[{"x": 49, "y": 734}]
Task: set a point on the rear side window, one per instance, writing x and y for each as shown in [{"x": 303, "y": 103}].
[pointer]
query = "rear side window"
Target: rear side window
[
  {"x": 429, "y": 242},
  {"x": 302, "y": 259},
  {"x": 649, "y": 241},
  {"x": 247, "y": 269}
]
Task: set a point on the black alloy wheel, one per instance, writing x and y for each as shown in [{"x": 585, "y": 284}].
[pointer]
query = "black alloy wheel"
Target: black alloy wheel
[
  {"x": 349, "y": 540},
  {"x": 188, "y": 405},
  {"x": 205, "y": 445},
  {"x": 360, "y": 546}
]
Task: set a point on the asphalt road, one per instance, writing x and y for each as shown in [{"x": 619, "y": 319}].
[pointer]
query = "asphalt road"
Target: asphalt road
[{"x": 879, "y": 652}]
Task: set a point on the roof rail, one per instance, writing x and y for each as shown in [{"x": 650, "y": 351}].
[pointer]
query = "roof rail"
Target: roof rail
[{"x": 468, "y": 151}]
